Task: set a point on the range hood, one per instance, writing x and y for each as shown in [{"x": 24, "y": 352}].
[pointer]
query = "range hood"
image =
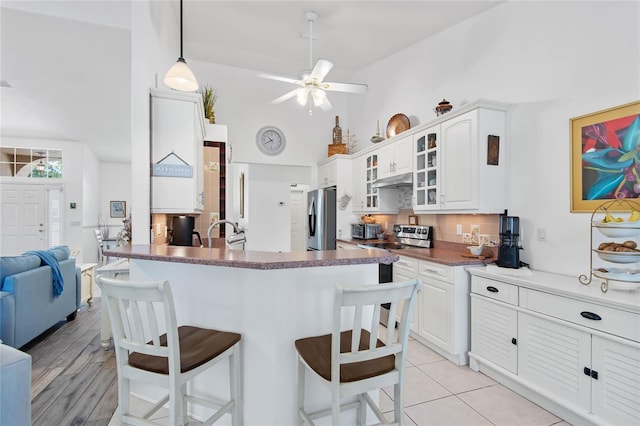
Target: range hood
[{"x": 396, "y": 181}]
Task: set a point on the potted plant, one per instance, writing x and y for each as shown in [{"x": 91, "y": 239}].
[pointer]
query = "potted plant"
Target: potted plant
[{"x": 209, "y": 100}]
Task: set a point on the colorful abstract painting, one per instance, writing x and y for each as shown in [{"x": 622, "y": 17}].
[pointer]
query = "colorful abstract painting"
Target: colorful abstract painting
[{"x": 606, "y": 156}]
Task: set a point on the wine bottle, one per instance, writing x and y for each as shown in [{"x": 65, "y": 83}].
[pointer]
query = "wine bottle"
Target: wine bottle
[{"x": 337, "y": 132}]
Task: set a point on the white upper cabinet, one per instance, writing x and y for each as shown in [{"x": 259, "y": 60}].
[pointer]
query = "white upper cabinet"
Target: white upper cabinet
[
  {"x": 426, "y": 177},
  {"x": 331, "y": 171},
  {"x": 367, "y": 198},
  {"x": 460, "y": 163},
  {"x": 177, "y": 134},
  {"x": 396, "y": 158}
]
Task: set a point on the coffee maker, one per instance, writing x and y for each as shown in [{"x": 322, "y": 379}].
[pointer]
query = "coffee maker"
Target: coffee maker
[{"x": 509, "y": 250}]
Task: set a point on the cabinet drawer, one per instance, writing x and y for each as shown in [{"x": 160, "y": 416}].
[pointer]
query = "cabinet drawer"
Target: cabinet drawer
[
  {"x": 407, "y": 264},
  {"x": 497, "y": 290},
  {"x": 605, "y": 319},
  {"x": 435, "y": 270}
]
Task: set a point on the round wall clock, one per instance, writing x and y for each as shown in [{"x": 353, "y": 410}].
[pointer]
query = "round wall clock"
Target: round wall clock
[{"x": 270, "y": 140}]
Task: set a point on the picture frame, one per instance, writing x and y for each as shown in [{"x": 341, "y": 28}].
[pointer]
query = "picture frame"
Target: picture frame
[
  {"x": 413, "y": 220},
  {"x": 117, "y": 209},
  {"x": 603, "y": 160},
  {"x": 493, "y": 150}
]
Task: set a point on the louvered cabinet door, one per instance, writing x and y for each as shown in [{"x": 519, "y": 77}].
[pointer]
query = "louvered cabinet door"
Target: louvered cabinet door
[
  {"x": 553, "y": 357},
  {"x": 616, "y": 392},
  {"x": 494, "y": 332}
]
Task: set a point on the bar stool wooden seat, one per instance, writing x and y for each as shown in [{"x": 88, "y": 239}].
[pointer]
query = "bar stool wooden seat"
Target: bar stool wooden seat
[
  {"x": 151, "y": 348},
  {"x": 355, "y": 361}
]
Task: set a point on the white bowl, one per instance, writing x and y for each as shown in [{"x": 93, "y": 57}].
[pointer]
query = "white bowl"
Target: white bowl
[
  {"x": 475, "y": 250},
  {"x": 619, "y": 256},
  {"x": 618, "y": 229}
]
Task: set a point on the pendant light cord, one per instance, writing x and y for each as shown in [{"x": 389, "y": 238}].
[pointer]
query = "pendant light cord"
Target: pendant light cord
[{"x": 181, "y": 57}]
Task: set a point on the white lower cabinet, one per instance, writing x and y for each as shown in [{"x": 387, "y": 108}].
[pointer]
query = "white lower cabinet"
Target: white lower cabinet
[
  {"x": 440, "y": 317},
  {"x": 552, "y": 356},
  {"x": 436, "y": 317},
  {"x": 494, "y": 327},
  {"x": 568, "y": 349},
  {"x": 616, "y": 393},
  {"x": 403, "y": 270}
]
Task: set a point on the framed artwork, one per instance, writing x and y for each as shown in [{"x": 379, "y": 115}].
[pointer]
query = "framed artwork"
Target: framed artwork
[
  {"x": 413, "y": 220},
  {"x": 117, "y": 209},
  {"x": 493, "y": 150},
  {"x": 604, "y": 161}
]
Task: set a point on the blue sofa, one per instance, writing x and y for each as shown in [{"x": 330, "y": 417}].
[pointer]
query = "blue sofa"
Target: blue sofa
[
  {"x": 15, "y": 388},
  {"x": 27, "y": 303}
]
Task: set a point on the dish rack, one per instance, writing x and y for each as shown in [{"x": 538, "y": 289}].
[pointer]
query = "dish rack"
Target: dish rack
[{"x": 618, "y": 221}]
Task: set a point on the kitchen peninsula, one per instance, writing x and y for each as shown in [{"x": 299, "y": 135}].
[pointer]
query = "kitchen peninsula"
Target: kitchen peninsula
[{"x": 270, "y": 298}]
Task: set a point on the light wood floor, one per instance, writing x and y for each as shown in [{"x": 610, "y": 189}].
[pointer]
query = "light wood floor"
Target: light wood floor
[{"x": 73, "y": 380}]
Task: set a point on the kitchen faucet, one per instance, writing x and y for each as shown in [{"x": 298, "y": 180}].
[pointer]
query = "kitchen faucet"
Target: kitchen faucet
[{"x": 238, "y": 236}]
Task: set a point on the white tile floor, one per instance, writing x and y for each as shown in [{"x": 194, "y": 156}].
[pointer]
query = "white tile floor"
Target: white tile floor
[{"x": 437, "y": 392}]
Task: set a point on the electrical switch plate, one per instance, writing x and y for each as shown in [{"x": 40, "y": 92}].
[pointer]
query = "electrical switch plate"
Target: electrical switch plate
[
  {"x": 542, "y": 234},
  {"x": 458, "y": 229}
]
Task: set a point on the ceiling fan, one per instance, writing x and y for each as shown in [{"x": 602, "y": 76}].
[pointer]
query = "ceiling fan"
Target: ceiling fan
[{"x": 313, "y": 88}]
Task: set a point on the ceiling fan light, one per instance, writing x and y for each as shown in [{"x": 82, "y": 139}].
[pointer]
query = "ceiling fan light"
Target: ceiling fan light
[
  {"x": 301, "y": 96},
  {"x": 180, "y": 77},
  {"x": 319, "y": 96}
]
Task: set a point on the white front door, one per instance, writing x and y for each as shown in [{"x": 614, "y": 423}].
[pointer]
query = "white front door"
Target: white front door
[{"x": 23, "y": 219}]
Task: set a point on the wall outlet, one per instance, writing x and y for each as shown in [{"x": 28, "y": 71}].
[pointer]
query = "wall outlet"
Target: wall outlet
[{"x": 459, "y": 229}]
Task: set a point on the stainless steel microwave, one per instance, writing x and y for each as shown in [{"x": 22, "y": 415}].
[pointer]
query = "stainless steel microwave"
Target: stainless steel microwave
[{"x": 367, "y": 231}]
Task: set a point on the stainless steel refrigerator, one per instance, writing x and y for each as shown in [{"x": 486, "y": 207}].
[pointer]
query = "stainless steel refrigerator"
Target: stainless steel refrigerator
[{"x": 321, "y": 219}]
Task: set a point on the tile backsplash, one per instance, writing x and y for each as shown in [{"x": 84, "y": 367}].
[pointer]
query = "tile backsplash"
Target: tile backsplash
[{"x": 485, "y": 226}]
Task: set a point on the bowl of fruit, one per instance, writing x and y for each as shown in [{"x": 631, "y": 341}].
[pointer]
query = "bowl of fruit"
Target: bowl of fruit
[{"x": 617, "y": 227}]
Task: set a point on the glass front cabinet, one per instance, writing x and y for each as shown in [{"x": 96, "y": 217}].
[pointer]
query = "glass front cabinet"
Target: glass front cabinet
[
  {"x": 371, "y": 170},
  {"x": 426, "y": 179}
]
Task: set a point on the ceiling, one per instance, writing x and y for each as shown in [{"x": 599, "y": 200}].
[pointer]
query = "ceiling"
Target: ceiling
[{"x": 82, "y": 100}]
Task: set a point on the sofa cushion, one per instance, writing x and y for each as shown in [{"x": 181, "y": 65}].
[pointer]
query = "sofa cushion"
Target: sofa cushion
[
  {"x": 11, "y": 265},
  {"x": 60, "y": 252}
]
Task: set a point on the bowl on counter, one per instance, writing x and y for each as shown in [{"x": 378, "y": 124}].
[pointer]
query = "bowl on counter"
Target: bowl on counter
[
  {"x": 382, "y": 236},
  {"x": 475, "y": 250}
]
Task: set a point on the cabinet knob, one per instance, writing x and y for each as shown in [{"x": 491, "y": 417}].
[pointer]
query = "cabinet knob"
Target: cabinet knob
[{"x": 514, "y": 341}]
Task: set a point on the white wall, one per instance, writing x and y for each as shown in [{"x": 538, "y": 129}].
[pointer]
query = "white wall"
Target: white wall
[
  {"x": 552, "y": 61},
  {"x": 115, "y": 185}
]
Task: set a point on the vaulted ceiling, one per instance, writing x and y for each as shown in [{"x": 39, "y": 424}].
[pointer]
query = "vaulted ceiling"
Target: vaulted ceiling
[{"x": 56, "y": 96}]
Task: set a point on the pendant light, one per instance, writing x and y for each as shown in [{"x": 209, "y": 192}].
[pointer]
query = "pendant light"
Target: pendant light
[{"x": 179, "y": 76}]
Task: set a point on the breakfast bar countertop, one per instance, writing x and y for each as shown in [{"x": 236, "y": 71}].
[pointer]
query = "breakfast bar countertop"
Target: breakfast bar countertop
[
  {"x": 251, "y": 259},
  {"x": 446, "y": 253}
]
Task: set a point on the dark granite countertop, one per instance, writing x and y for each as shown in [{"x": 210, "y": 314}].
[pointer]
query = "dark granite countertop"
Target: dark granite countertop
[
  {"x": 444, "y": 252},
  {"x": 251, "y": 259}
]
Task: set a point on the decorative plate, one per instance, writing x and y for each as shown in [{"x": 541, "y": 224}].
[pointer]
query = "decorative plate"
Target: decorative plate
[
  {"x": 398, "y": 124},
  {"x": 617, "y": 229},
  {"x": 619, "y": 256}
]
